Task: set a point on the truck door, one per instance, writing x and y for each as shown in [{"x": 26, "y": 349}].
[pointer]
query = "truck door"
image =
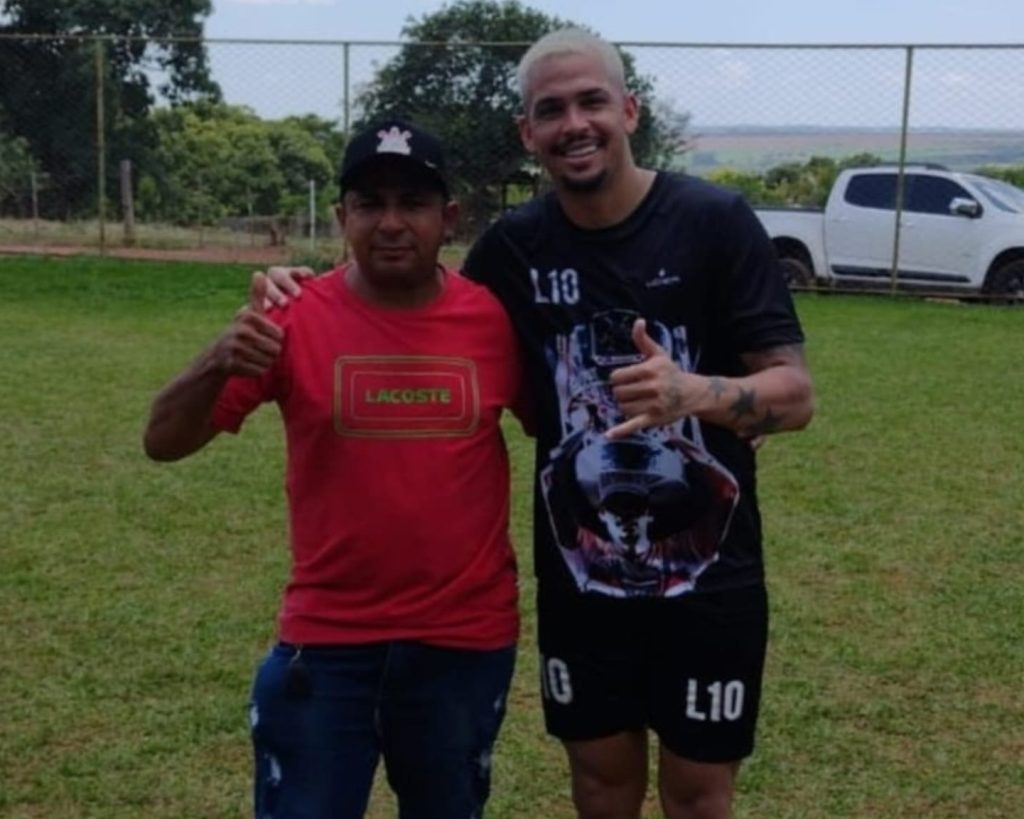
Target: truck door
[
  {"x": 859, "y": 227},
  {"x": 936, "y": 246}
]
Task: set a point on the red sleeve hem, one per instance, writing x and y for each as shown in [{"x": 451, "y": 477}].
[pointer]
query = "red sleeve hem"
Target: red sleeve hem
[{"x": 226, "y": 421}]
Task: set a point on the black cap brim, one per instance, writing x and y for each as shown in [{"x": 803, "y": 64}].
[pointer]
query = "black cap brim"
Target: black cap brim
[{"x": 418, "y": 174}]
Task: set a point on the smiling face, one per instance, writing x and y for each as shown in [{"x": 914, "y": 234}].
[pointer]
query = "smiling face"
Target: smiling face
[
  {"x": 578, "y": 121},
  {"x": 395, "y": 219}
]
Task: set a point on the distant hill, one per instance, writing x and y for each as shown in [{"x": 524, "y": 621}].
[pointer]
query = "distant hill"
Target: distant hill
[{"x": 758, "y": 148}]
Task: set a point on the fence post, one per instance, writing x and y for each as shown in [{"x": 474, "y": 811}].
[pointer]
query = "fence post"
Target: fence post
[
  {"x": 35, "y": 204},
  {"x": 345, "y": 80},
  {"x": 900, "y": 175},
  {"x": 127, "y": 203},
  {"x": 312, "y": 216},
  {"x": 101, "y": 148}
]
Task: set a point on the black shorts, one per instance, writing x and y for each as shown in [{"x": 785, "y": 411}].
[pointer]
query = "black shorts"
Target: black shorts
[{"x": 689, "y": 668}]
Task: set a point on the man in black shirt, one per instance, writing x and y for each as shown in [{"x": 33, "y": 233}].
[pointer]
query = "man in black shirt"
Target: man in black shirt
[{"x": 660, "y": 339}]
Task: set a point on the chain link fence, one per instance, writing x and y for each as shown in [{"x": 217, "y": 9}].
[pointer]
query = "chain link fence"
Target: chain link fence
[{"x": 99, "y": 150}]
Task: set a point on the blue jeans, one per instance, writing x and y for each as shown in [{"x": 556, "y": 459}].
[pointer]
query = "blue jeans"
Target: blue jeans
[{"x": 322, "y": 717}]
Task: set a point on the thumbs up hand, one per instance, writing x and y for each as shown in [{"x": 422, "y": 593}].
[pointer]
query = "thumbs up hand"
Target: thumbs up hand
[
  {"x": 258, "y": 293},
  {"x": 652, "y": 393},
  {"x": 252, "y": 342},
  {"x": 647, "y": 346}
]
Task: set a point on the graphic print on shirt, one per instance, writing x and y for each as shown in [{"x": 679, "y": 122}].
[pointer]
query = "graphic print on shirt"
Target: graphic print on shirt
[
  {"x": 405, "y": 396},
  {"x": 640, "y": 516}
]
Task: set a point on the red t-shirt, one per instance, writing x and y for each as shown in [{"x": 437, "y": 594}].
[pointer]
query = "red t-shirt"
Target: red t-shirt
[{"x": 397, "y": 473}]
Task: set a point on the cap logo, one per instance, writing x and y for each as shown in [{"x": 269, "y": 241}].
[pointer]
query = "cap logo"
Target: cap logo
[{"x": 394, "y": 141}]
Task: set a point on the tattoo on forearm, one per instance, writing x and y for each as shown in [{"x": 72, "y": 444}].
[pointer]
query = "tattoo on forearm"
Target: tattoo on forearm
[
  {"x": 744, "y": 403},
  {"x": 716, "y": 387},
  {"x": 766, "y": 425},
  {"x": 675, "y": 399}
]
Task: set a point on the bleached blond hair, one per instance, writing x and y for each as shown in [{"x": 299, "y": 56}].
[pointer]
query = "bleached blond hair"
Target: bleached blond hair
[{"x": 565, "y": 42}]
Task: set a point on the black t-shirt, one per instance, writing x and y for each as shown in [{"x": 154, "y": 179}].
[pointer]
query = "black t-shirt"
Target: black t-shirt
[{"x": 669, "y": 510}]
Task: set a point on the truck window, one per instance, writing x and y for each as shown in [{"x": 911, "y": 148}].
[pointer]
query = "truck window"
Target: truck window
[
  {"x": 932, "y": 194},
  {"x": 872, "y": 190}
]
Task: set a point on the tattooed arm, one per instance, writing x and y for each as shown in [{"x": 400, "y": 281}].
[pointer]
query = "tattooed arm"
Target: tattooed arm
[{"x": 774, "y": 397}]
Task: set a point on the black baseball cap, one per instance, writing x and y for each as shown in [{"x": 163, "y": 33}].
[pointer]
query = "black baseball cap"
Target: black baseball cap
[{"x": 394, "y": 138}]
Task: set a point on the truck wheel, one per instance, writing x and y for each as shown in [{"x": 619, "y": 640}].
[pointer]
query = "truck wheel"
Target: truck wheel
[
  {"x": 796, "y": 272},
  {"x": 1007, "y": 282}
]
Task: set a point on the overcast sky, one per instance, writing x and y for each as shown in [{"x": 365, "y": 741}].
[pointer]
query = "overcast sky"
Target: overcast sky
[
  {"x": 709, "y": 21},
  {"x": 716, "y": 86}
]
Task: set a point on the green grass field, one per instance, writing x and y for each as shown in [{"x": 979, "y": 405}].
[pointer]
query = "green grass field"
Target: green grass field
[{"x": 136, "y": 599}]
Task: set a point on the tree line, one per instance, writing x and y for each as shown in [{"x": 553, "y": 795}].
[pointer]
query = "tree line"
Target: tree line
[
  {"x": 198, "y": 160},
  {"x": 808, "y": 184}
]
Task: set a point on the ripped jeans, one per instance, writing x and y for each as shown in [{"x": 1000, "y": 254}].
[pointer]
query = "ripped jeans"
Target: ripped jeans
[{"x": 322, "y": 717}]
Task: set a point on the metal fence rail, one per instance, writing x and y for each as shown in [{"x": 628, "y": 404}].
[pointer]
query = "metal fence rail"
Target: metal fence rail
[{"x": 255, "y": 179}]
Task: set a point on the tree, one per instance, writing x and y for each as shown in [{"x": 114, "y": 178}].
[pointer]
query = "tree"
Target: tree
[
  {"x": 307, "y": 148},
  {"x": 16, "y": 168},
  {"x": 464, "y": 91},
  {"x": 792, "y": 183},
  {"x": 48, "y": 86},
  {"x": 213, "y": 160},
  {"x": 1013, "y": 174},
  {"x": 747, "y": 183},
  {"x": 861, "y": 160},
  {"x": 806, "y": 184}
]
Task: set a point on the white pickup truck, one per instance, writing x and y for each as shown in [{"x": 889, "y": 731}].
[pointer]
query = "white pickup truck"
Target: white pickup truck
[{"x": 958, "y": 232}]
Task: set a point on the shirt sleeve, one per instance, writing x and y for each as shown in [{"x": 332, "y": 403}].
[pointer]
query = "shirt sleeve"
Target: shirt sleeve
[
  {"x": 478, "y": 267},
  {"x": 474, "y": 265},
  {"x": 756, "y": 303},
  {"x": 242, "y": 395},
  {"x": 521, "y": 404},
  {"x": 239, "y": 397}
]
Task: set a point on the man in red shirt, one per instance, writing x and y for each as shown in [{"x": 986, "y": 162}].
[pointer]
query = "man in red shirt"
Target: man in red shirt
[{"x": 398, "y": 624}]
